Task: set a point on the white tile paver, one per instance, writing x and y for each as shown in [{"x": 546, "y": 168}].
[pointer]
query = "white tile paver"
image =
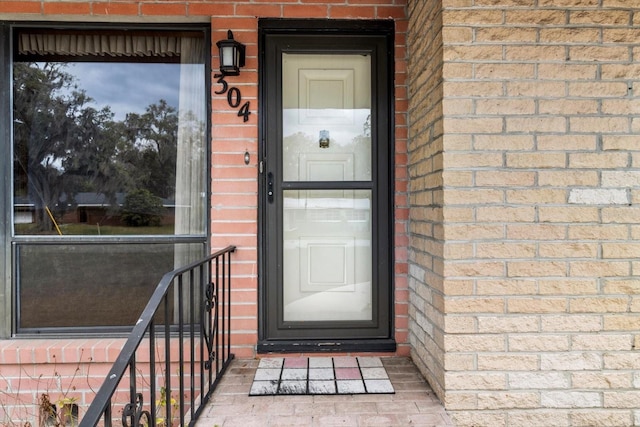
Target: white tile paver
[{"x": 320, "y": 362}]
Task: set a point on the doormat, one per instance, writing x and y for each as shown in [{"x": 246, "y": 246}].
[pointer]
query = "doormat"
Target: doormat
[{"x": 320, "y": 375}]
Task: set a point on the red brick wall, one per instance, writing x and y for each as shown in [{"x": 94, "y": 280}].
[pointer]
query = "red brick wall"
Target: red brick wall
[
  {"x": 72, "y": 368},
  {"x": 235, "y": 184}
]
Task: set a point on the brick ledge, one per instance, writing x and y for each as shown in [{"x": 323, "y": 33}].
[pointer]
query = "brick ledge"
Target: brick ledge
[{"x": 60, "y": 350}]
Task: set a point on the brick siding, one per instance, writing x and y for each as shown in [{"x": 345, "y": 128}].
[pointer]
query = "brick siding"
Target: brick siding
[
  {"x": 71, "y": 368},
  {"x": 426, "y": 215},
  {"x": 234, "y": 184},
  {"x": 523, "y": 158},
  {"x": 517, "y": 184}
]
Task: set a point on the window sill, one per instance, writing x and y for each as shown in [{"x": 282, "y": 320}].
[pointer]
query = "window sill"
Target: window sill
[{"x": 60, "y": 350}]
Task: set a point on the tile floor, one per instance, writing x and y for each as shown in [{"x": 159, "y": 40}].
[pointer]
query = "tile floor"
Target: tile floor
[
  {"x": 320, "y": 375},
  {"x": 412, "y": 404}
]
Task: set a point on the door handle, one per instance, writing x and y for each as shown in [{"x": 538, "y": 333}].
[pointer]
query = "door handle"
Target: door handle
[{"x": 270, "y": 187}]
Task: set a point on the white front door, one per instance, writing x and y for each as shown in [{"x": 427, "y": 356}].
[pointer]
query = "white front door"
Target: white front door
[{"x": 326, "y": 232}]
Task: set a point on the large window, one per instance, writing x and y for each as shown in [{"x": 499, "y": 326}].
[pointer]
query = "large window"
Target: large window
[{"x": 109, "y": 155}]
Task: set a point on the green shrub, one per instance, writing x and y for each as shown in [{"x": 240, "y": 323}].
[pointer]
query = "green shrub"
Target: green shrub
[{"x": 142, "y": 209}]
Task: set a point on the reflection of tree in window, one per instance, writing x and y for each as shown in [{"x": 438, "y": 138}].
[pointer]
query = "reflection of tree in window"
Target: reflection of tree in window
[
  {"x": 155, "y": 133},
  {"x": 65, "y": 147}
]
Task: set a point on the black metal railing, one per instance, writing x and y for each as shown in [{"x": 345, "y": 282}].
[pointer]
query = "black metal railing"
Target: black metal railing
[{"x": 182, "y": 338}]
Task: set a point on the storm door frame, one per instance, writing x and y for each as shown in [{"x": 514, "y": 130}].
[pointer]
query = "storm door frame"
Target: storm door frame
[{"x": 325, "y": 37}]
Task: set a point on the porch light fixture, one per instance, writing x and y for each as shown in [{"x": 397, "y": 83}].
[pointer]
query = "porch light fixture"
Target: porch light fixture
[{"x": 232, "y": 55}]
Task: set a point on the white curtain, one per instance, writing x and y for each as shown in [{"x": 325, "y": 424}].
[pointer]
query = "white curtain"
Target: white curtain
[
  {"x": 191, "y": 150},
  {"x": 191, "y": 155}
]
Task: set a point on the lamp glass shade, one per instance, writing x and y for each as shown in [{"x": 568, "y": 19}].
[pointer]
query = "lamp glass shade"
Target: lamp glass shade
[
  {"x": 227, "y": 56},
  {"x": 231, "y": 55}
]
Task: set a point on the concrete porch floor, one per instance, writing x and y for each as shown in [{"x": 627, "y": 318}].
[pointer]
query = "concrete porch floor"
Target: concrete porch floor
[{"x": 413, "y": 404}]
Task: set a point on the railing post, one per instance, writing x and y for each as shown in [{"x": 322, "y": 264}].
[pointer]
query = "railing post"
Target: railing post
[
  {"x": 180, "y": 345},
  {"x": 192, "y": 321},
  {"x": 152, "y": 369},
  {"x": 167, "y": 357}
]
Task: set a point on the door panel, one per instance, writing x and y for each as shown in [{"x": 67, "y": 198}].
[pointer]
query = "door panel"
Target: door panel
[
  {"x": 327, "y": 255},
  {"x": 322, "y": 249},
  {"x": 326, "y": 115},
  {"x": 325, "y": 201}
]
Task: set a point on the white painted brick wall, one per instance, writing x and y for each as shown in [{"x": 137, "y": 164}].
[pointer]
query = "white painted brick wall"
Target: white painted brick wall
[{"x": 599, "y": 196}]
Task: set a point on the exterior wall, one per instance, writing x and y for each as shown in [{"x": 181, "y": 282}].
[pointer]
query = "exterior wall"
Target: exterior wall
[
  {"x": 234, "y": 184},
  {"x": 426, "y": 241},
  {"x": 523, "y": 182},
  {"x": 541, "y": 185},
  {"x": 74, "y": 369}
]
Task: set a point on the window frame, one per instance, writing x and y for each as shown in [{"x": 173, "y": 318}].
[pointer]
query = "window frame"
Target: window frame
[{"x": 8, "y": 264}]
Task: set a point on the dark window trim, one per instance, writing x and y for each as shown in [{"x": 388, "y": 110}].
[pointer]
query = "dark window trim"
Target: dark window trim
[
  {"x": 9, "y": 296},
  {"x": 79, "y": 27},
  {"x": 326, "y": 26},
  {"x": 6, "y": 163}
]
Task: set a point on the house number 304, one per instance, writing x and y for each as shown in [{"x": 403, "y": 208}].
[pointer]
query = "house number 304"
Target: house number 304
[{"x": 234, "y": 98}]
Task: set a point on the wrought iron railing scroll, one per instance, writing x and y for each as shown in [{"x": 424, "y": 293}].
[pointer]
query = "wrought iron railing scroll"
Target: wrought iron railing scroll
[{"x": 176, "y": 353}]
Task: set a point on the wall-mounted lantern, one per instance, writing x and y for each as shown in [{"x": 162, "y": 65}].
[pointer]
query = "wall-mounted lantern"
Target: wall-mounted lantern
[{"x": 232, "y": 55}]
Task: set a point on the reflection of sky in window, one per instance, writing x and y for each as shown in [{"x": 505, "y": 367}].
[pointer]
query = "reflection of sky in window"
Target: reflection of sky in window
[{"x": 127, "y": 87}]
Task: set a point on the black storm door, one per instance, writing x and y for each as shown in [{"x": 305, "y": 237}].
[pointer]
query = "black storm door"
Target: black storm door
[{"x": 326, "y": 199}]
